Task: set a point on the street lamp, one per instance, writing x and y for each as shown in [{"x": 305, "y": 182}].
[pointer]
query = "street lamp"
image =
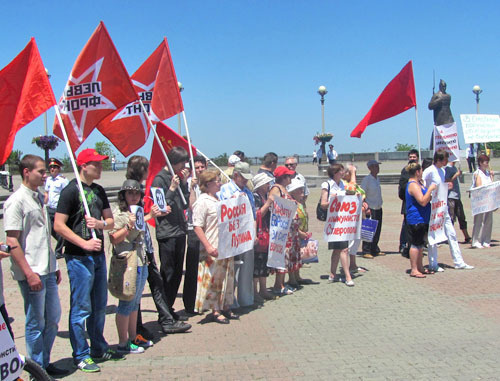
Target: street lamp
[
  {"x": 322, "y": 91},
  {"x": 477, "y": 90},
  {"x": 181, "y": 88}
]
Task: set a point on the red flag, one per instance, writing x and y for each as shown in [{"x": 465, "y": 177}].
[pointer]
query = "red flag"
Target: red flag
[
  {"x": 397, "y": 97},
  {"x": 156, "y": 83},
  {"x": 97, "y": 86},
  {"x": 157, "y": 161},
  {"x": 25, "y": 93}
]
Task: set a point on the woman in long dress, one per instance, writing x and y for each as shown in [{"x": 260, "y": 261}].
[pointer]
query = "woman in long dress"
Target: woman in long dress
[
  {"x": 215, "y": 276},
  {"x": 483, "y": 222}
]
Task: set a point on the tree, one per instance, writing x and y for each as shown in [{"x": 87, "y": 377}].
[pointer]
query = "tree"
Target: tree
[
  {"x": 221, "y": 160},
  {"x": 404, "y": 147},
  {"x": 14, "y": 160},
  {"x": 104, "y": 148}
]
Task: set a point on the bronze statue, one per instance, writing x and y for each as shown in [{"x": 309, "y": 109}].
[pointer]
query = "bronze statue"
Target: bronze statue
[{"x": 440, "y": 104}]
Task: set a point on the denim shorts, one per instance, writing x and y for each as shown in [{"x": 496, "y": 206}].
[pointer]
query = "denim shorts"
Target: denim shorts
[{"x": 125, "y": 308}]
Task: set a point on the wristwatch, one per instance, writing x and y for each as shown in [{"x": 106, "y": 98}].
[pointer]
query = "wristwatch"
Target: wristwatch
[{"x": 104, "y": 225}]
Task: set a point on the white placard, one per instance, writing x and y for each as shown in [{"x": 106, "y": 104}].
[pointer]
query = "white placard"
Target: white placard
[
  {"x": 343, "y": 222},
  {"x": 439, "y": 208},
  {"x": 11, "y": 364},
  {"x": 236, "y": 226},
  {"x": 480, "y": 128},
  {"x": 159, "y": 198},
  {"x": 485, "y": 198},
  {"x": 446, "y": 137},
  {"x": 139, "y": 216},
  {"x": 282, "y": 214}
]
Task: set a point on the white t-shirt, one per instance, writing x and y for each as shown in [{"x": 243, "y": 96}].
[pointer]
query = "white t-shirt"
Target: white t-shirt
[
  {"x": 335, "y": 189},
  {"x": 371, "y": 186},
  {"x": 433, "y": 175}
]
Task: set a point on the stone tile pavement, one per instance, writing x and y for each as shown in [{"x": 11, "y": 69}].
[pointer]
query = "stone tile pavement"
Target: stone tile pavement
[{"x": 388, "y": 327}]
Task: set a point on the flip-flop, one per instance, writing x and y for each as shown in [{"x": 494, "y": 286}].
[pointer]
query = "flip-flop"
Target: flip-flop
[
  {"x": 220, "y": 319},
  {"x": 418, "y": 276}
]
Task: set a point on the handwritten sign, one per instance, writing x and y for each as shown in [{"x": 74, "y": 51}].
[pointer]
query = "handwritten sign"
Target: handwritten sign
[
  {"x": 159, "y": 198},
  {"x": 439, "y": 208},
  {"x": 282, "y": 214},
  {"x": 139, "y": 216},
  {"x": 480, "y": 128},
  {"x": 485, "y": 198},
  {"x": 236, "y": 227},
  {"x": 11, "y": 364},
  {"x": 343, "y": 221},
  {"x": 446, "y": 137}
]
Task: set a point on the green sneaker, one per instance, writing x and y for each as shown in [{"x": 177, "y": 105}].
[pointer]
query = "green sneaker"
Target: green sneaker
[
  {"x": 88, "y": 366},
  {"x": 109, "y": 355},
  {"x": 130, "y": 348}
]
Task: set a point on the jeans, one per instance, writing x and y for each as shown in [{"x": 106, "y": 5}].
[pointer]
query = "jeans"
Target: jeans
[
  {"x": 43, "y": 312},
  {"x": 126, "y": 307},
  {"x": 89, "y": 296}
]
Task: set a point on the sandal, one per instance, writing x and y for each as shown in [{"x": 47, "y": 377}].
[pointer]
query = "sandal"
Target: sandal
[
  {"x": 230, "y": 315},
  {"x": 418, "y": 276},
  {"x": 220, "y": 319}
]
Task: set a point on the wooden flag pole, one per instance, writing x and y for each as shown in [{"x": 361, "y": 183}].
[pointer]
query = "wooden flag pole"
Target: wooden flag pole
[
  {"x": 215, "y": 165},
  {"x": 75, "y": 169},
  {"x": 189, "y": 144},
  {"x": 170, "y": 169}
]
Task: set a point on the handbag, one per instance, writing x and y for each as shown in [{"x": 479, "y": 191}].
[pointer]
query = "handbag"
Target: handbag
[
  {"x": 122, "y": 277},
  {"x": 320, "y": 212},
  {"x": 262, "y": 244}
]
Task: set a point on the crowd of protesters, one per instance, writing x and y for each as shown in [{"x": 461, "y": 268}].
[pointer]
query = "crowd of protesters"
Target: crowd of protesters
[{"x": 187, "y": 232}]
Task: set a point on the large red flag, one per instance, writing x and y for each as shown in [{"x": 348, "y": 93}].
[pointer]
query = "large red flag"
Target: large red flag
[
  {"x": 25, "y": 93},
  {"x": 156, "y": 83},
  {"x": 157, "y": 161},
  {"x": 97, "y": 86},
  {"x": 397, "y": 97}
]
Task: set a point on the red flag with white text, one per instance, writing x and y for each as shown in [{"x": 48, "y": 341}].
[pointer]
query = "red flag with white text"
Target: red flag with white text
[
  {"x": 97, "y": 86},
  {"x": 397, "y": 97},
  {"x": 157, "y": 161},
  {"x": 156, "y": 84},
  {"x": 25, "y": 93}
]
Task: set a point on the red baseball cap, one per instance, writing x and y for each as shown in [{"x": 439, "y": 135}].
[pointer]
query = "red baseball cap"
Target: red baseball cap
[
  {"x": 282, "y": 170},
  {"x": 88, "y": 155}
]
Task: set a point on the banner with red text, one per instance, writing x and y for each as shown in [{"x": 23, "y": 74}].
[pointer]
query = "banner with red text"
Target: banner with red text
[
  {"x": 343, "y": 221},
  {"x": 439, "y": 208},
  {"x": 282, "y": 214},
  {"x": 485, "y": 198},
  {"x": 236, "y": 226},
  {"x": 446, "y": 137}
]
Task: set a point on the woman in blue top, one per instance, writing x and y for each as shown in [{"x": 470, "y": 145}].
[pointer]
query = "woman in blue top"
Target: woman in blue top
[{"x": 418, "y": 212}]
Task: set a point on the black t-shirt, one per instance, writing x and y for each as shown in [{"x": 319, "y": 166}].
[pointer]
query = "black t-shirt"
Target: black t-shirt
[{"x": 70, "y": 203}]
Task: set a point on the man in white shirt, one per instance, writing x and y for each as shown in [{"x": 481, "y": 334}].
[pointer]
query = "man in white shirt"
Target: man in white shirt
[
  {"x": 291, "y": 163},
  {"x": 371, "y": 185},
  {"x": 471, "y": 157},
  {"x": 331, "y": 154},
  {"x": 435, "y": 174}
]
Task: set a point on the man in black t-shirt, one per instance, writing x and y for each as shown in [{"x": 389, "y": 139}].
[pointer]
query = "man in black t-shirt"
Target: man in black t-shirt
[{"x": 85, "y": 261}]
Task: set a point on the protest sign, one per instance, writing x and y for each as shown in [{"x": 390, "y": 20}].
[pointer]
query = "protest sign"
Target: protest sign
[
  {"x": 343, "y": 222},
  {"x": 480, "y": 128},
  {"x": 446, "y": 137},
  {"x": 139, "y": 216},
  {"x": 236, "y": 227},
  {"x": 159, "y": 198},
  {"x": 439, "y": 208},
  {"x": 11, "y": 364},
  {"x": 485, "y": 198},
  {"x": 282, "y": 214}
]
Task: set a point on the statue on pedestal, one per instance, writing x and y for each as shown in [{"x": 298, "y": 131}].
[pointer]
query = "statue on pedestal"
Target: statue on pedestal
[{"x": 440, "y": 104}]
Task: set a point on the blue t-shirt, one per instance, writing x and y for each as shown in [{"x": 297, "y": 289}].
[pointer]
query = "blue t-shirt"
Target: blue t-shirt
[{"x": 416, "y": 213}]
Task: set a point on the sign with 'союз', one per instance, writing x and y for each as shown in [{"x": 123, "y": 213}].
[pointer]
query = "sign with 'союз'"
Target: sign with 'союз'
[{"x": 343, "y": 222}]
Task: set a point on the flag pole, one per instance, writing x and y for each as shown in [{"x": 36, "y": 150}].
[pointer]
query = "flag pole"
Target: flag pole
[
  {"x": 215, "y": 165},
  {"x": 171, "y": 170},
  {"x": 75, "y": 169},
  {"x": 418, "y": 133},
  {"x": 189, "y": 144}
]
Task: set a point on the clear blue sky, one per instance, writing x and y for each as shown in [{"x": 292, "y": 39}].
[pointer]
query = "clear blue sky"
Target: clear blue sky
[{"x": 251, "y": 69}]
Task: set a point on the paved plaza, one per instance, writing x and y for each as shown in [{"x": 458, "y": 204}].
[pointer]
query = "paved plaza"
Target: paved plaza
[{"x": 389, "y": 326}]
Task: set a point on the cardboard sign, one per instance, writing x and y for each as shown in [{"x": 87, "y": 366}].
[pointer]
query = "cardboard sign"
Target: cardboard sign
[
  {"x": 159, "y": 198},
  {"x": 439, "y": 208},
  {"x": 480, "y": 128},
  {"x": 485, "y": 198},
  {"x": 236, "y": 226},
  {"x": 343, "y": 222},
  {"x": 11, "y": 364},
  {"x": 446, "y": 137},
  {"x": 282, "y": 214},
  {"x": 139, "y": 217}
]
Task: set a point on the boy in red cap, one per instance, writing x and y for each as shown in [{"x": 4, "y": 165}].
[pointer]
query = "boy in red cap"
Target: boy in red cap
[{"x": 85, "y": 261}]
